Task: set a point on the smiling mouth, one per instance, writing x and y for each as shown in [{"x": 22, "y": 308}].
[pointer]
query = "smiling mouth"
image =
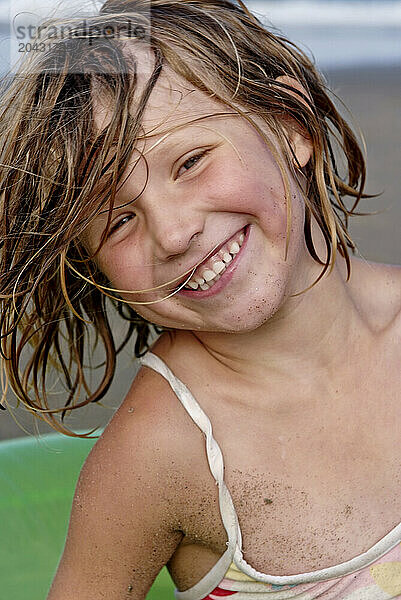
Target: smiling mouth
[{"x": 209, "y": 271}]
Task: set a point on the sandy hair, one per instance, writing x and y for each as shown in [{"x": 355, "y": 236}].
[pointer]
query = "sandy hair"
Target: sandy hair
[{"x": 55, "y": 177}]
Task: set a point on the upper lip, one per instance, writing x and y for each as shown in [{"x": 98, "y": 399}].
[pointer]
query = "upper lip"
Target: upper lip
[{"x": 177, "y": 284}]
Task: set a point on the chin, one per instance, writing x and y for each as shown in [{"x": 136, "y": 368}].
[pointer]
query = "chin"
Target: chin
[{"x": 253, "y": 317}]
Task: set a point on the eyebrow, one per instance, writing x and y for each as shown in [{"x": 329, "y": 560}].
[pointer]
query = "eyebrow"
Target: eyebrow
[{"x": 181, "y": 126}]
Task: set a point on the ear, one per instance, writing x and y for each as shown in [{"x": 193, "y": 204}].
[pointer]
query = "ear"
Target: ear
[{"x": 298, "y": 136}]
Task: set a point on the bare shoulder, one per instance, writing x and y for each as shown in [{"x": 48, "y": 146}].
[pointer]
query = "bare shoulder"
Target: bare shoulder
[
  {"x": 379, "y": 286},
  {"x": 152, "y": 402},
  {"x": 152, "y": 429},
  {"x": 127, "y": 509}
]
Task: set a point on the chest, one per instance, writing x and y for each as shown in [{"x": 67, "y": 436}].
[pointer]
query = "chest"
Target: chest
[{"x": 316, "y": 492}]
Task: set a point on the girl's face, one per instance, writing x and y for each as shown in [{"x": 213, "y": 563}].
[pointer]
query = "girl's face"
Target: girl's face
[{"x": 211, "y": 183}]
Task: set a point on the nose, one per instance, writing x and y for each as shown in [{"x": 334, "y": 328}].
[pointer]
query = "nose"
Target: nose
[{"x": 174, "y": 224}]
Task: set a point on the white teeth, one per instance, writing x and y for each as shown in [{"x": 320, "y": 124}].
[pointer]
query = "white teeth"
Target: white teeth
[
  {"x": 234, "y": 248},
  {"x": 218, "y": 267},
  {"x": 208, "y": 275}
]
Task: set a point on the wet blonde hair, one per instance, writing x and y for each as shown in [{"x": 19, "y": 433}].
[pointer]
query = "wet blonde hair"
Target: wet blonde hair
[{"x": 56, "y": 172}]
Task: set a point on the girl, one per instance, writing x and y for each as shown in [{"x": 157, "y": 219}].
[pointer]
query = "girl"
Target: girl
[{"x": 187, "y": 177}]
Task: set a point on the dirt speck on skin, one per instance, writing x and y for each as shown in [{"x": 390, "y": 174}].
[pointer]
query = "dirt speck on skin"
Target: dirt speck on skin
[{"x": 292, "y": 538}]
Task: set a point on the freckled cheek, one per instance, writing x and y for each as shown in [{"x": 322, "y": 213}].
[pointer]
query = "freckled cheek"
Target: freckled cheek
[
  {"x": 123, "y": 275},
  {"x": 263, "y": 198}
]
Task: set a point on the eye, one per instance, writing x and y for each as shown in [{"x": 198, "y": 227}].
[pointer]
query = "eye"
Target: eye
[
  {"x": 190, "y": 162},
  {"x": 120, "y": 223}
]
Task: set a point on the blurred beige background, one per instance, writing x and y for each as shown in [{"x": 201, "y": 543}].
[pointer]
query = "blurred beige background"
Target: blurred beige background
[{"x": 373, "y": 96}]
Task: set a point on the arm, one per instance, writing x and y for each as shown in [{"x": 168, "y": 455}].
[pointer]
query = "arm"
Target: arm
[{"x": 123, "y": 522}]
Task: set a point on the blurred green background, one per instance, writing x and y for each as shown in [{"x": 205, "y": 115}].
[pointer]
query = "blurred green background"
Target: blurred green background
[{"x": 37, "y": 482}]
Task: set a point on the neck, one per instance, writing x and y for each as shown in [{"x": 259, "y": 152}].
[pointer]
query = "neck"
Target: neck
[{"x": 313, "y": 339}]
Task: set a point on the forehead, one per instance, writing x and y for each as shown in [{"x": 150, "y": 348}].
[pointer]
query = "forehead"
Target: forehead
[{"x": 173, "y": 101}]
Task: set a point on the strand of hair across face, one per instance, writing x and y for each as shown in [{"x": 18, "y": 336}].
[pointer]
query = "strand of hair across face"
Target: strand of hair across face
[{"x": 103, "y": 288}]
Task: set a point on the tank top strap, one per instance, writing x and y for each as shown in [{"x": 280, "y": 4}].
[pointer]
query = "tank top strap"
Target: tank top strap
[{"x": 216, "y": 465}]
